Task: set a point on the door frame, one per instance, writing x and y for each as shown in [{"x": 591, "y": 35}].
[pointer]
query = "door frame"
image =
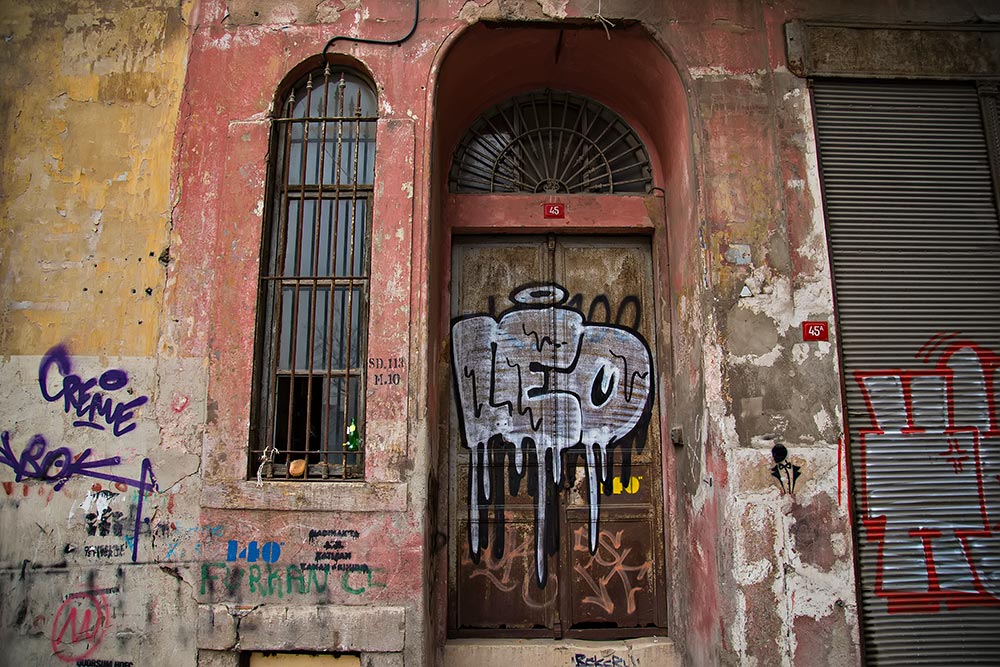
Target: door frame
[{"x": 468, "y": 215}]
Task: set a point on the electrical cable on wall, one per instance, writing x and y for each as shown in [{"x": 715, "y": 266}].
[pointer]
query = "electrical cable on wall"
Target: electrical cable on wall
[
  {"x": 390, "y": 42},
  {"x": 604, "y": 23}
]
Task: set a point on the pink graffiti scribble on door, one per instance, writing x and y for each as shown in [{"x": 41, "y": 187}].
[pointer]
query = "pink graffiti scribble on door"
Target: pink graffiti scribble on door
[{"x": 936, "y": 527}]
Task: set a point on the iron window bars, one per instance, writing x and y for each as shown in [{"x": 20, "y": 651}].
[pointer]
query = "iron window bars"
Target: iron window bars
[
  {"x": 314, "y": 283},
  {"x": 552, "y": 142}
]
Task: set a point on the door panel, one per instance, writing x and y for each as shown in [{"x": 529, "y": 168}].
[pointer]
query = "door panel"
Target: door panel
[
  {"x": 555, "y": 456},
  {"x": 496, "y": 588},
  {"x": 614, "y": 585}
]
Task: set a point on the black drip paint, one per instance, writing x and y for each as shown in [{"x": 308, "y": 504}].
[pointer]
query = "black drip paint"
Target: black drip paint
[{"x": 513, "y": 424}]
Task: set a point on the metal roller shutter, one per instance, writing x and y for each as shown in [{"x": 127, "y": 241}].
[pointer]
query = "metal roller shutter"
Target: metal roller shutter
[{"x": 915, "y": 249}]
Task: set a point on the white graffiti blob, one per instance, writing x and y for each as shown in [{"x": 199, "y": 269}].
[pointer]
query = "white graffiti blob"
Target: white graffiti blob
[
  {"x": 542, "y": 378},
  {"x": 96, "y": 502}
]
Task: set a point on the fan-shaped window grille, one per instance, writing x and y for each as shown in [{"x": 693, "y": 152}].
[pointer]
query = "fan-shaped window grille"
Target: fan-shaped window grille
[{"x": 554, "y": 142}]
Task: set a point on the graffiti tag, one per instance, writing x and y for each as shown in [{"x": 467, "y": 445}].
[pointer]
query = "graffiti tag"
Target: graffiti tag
[
  {"x": 542, "y": 380},
  {"x": 269, "y": 553},
  {"x": 607, "y": 571},
  {"x": 501, "y": 570},
  {"x": 104, "y": 550},
  {"x": 582, "y": 660},
  {"x": 79, "y": 626},
  {"x": 59, "y": 465},
  {"x": 78, "y": 395},
  {"x": 941, "y": 422}
]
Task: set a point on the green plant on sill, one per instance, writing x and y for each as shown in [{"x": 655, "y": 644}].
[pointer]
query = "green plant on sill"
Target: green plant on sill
[{"x": 353, "y": 443}]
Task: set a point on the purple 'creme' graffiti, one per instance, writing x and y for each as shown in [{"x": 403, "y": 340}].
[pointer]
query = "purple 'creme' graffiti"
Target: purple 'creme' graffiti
[
  {"x": 78, "y": 396},
  {"x": 92, "y": 409}
]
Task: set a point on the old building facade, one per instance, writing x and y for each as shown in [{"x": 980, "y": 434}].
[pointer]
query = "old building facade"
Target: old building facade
[{"x": 481, "y": 332}]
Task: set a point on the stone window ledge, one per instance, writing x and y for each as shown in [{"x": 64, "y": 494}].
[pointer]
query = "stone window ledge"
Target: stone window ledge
[{"x": 306, "y": 496}]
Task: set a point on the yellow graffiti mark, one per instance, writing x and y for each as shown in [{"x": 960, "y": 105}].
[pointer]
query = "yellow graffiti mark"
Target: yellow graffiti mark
[{"x": 617, "y": 488}]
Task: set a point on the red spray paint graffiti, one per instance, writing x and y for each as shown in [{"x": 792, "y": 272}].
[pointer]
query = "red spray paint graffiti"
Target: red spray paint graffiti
[
  {"x": 940, "y": 424},
  {"x": 79, "y": 626}
]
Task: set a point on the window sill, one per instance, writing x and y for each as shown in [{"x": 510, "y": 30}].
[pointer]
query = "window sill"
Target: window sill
[{"x": 315, "y": 496}]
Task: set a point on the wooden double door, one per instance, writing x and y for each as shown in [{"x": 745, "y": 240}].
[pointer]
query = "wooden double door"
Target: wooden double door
[{"x": 555, "y": 493}]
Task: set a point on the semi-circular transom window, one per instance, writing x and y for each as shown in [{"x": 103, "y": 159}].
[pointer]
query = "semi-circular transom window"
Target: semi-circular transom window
[{"x": 550, "y": 141}]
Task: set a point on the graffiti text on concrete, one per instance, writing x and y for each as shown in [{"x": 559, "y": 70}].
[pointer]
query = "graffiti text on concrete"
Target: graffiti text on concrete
[
  {"x": 60, "y": 465},
  {"x": 79, "y": 626},
  {"x": 583, "y": 660},
  {"x": 57, "y": 381},
  {"x": 262, "y": 581},
  {"x": 332, "y": 552},
  {"x": 104, "y": 550}
]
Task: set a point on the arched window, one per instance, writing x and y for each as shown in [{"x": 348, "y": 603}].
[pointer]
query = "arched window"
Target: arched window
[
  {"x": 313, "y": 317},
  {"x": 551, "y": 141}
]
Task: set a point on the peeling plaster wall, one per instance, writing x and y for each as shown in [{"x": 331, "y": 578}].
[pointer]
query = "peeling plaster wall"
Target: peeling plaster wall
[
  {"x": 87, "y": 114},
  {"x": 91, "y": 97},
  {"x": 761, "y": 232},
  {"x": 781, "y": 581},
  {"x": 132, "y": 185}
]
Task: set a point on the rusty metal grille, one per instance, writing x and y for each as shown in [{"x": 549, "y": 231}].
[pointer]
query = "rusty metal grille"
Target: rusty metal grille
[
  {"x": 550, "y": 142},
  {"x": 314, "y": 283}
]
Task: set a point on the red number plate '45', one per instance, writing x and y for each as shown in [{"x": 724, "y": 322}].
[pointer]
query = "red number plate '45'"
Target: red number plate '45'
[
  {"x": 815, "y": 331},
  {"x": 550, "y": 211}
]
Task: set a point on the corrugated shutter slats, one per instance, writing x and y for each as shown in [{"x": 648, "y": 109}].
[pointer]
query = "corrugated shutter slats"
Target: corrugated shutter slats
[{"x": 915, "y": 249}]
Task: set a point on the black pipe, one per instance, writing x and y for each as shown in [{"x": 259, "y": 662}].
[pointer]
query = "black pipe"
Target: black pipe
[{"x": 362, "y": 40}]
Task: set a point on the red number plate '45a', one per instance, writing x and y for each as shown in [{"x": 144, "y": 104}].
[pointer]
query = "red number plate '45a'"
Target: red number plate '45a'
[
  {"x": 815, "y": 331},
  {"x": 554, "y": 210}
]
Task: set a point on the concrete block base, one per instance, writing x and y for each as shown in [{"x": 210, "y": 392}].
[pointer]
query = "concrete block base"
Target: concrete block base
[{"x": 657, "y": 651}]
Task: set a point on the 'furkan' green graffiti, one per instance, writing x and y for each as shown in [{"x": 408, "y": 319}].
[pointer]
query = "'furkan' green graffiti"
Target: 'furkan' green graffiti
[
  {"x": 264, "y": 581},
  {"x": 270, "y": 581}
]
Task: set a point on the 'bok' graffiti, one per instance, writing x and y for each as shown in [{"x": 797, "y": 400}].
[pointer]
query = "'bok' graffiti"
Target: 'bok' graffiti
[
  {"x": 537, "y": 382},
  {"x": 937, "y": 528}
]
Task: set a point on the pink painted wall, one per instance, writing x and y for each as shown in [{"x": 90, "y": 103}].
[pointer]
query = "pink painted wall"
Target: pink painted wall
[{"x": 698, "y": 92}]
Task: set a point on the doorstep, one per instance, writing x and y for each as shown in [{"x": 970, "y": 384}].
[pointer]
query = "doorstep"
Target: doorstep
[{"x": 645, "y": 652}]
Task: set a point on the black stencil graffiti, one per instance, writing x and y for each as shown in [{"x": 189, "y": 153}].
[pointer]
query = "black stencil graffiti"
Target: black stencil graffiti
[
  {"x": 784, "y": 470},
  {"x": 538, "y": 385}
]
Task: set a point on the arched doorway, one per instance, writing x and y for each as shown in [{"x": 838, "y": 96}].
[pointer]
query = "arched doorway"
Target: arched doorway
[
  {"x": 551, "y": 250},
  {"x": 554, "y": 388}
]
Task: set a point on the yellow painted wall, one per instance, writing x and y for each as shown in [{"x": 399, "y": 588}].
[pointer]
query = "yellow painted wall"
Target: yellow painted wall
[
  {"x": 89, "y": 97},
  {"x": 301, "y": 660}
]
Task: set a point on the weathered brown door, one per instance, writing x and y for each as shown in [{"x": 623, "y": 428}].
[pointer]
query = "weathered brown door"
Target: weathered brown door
[{"x": 555, "y": 490}]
